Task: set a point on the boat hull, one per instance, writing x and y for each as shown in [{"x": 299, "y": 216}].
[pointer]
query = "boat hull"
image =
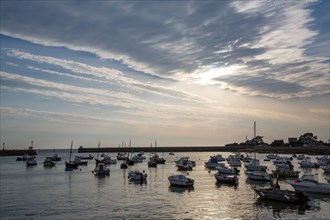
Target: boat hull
[
  {"x": 282, "y": 195},
  {"x": 180, "y": 181}
]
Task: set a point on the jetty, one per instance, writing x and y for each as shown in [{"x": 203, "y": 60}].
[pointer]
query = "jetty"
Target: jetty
[{"x": 17, "y": 152}]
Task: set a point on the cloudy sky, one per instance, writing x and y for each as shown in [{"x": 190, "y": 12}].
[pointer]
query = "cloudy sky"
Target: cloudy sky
[{"x": 179, "y": 72}]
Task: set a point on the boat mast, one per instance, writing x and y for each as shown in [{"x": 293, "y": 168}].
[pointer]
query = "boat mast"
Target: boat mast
[
  {"x": 254, "y": 141},
  {"x": 70, "y": 150},
  {"x": 98, "y": 150}
]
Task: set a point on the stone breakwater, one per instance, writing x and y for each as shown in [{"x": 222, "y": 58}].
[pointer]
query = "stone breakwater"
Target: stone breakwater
[
  {"x": 322, "y": 150},
  {"x": 17, "y": 152}
]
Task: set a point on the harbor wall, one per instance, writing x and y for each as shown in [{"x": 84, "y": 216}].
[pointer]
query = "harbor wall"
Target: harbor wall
[
  {"x": 17, "y": 152},
  {"x": 324, "y": 150}
]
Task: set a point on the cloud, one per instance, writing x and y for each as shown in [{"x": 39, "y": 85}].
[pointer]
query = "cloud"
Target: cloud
[
  {"x": 182, "y": 40},
  {"x": 66, "y": 118},
  {"x": 111, "y": 75}
]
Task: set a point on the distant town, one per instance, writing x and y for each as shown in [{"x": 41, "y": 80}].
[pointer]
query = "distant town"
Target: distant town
[{"x": 305, "y": 140}]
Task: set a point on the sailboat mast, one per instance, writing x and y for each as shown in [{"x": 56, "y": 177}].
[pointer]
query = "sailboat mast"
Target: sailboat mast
[
  {"x": 71, "y": 151},
  {"x": 254, "y": 141},
  {"x": 98, "y": 150}
]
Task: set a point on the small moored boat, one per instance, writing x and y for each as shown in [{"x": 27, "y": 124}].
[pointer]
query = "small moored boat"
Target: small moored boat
[
  {"x": 277, "y": 194},
  {"x": 101, "y": 170},
  {"x": 89, "y": 157},
  {"x": 309, "y": 183},
  {"x": 223, "y": 178},
  {"x": 31, "y": 161},
  {"x": 137, "y": 175},
  {"x": 48, "y": 162},
  {"x": 258, "y": 175},
  {"x": 180, "y": 180}
]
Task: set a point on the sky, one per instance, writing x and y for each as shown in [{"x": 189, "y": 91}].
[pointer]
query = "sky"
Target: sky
[{"x": 184, "y": 73}]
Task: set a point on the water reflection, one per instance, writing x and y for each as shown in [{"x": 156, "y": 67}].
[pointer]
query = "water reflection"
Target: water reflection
[
  {"x": 178, "y": 189},
  {"x": 137, "y": 182},
  {"x": 255, "y": 183},
  {"x": 233, "y": 185},
  {"x": 280, "y": 208}
]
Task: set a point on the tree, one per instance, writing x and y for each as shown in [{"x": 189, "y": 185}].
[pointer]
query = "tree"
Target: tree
[{"x": 258, "y": 140}]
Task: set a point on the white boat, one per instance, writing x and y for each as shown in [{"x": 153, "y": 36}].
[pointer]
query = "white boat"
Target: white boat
[
  {"x": 300, "y": 157},
  {"x": 185, "y": 159},
  {"x": 212, "y": 163},
  {"x": 223, "y": 169},
  {"x": 271, "y": 156},
  {"x": 107, "y": 160},
  {"x": 254, "y": 165},
  {"x": 78, "y": 161},
  {"x": 234, "y": 163},
  {"x": 327, "y": 179},
  {"x": 137, "y": 175},
  {"x": 30, "y": 161},
  {"x": 309, "y": 183},
  {"x": 101, "y": 170},
  {"x": 185, "y": 165},
  {"x": 326, "y": 168},
  {"x": 224, "y": 178},
  {"x": 258, "y": 175},
  {"x": 48, "y": 162},
  {"x": 180, "y": 180},
  {"x": 55, "y": 157},
  {"x": 307, "y": 163},
  {"x": 218, "y": 157},
  {"x": 285, "y": 172},
  {"x": 324, "y": 160}
]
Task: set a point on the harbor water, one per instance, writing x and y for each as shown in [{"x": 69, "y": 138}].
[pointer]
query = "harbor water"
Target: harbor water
[{"x": 52, "y": 193}]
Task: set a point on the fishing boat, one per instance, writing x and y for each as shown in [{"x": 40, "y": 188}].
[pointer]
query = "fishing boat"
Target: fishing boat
[
  {"x": 48, "y": 162},
  {"x": 186, "y": 160},
  {"x": 180, "y": 180},
  {"x": 254, "y": 165},
  {"x": 212, "y": 164},
  {"x": 223, "y": 169},
  {"x": 254, "y": 171},
  {"x": 129, "y": 160},
  {"x": 89, "y": 157},
  {"x": 218, "y": 157},
  {"x": 184, "y": 165},
  {"x": 271, "y": 156},
  {"x": 70, "y": 165},
  {"x": 284, "y": 172},
  {"x": 22, "y": 158},
  {"x": 326, "y": 168},
  {"x": 137, "y": 175},
  {"x": 151, "y": 162},
  {"x": 258, "y": 175},
  {"x": 225, "y": 178},
  {"x": 234, "y": 162},
  {"x": 309, "y": 183},
  {"x": 156, "y": 158},
  {"x": 101, "y": 170},
  {"x": 307, "y": 163},
  {"x": 31, "y": 161},
  {"x": 78, "y": 161},
  {"x": 277, "y": 194},
  {"x": 121, "y": 155}
]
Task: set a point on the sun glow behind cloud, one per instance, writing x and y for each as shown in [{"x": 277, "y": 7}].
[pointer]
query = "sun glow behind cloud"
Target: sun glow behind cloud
[{"x": 193, "y": 69}]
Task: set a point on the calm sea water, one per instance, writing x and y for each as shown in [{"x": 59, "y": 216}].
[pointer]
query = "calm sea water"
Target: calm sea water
[{"x": 51, "y": 193}]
